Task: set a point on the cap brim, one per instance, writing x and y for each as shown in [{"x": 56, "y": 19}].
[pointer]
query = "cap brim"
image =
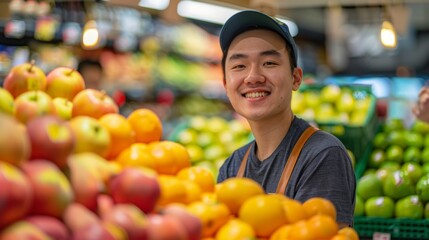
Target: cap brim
[{"x": 250, "y": 19}]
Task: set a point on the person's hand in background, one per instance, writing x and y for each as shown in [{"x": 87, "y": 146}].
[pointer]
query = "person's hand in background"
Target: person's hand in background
[{"x": 421, "y": 109}]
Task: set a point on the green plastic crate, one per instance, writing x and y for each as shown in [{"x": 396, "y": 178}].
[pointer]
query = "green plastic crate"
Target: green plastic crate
[
  {"x": 355, "y": 138},
  {"x": 397, "y": 228}
]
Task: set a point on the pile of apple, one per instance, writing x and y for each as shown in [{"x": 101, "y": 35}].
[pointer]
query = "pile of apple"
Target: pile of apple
[
  {"x": 332, "y": 103},
  {"x": 58, "y": 175},
  {"x": 211, "y": 139},
  {"x": 396, "y": 181}
]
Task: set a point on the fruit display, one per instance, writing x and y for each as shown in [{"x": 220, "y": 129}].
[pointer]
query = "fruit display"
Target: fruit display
[
  {"x": 395, "y": 180},
  {"x": 210, "y": 139},
  {"x": 101, "y": 175},
  {"x": 346, "y": 111}
]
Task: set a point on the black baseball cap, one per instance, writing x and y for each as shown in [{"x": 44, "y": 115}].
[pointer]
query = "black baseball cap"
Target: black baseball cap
[{"x": 251, "y": 19}]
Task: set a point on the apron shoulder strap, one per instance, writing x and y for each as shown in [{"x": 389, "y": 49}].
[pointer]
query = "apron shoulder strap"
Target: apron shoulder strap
[
  {"x": 293, "y": 157},
  {"x": 290, "y": 163}
]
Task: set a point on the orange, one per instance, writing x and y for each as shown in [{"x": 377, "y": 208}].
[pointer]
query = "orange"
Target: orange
[
  {"x": 339, "y": 237},
  {"x": 193, "y": 192},
  {"x": 234, "y": 191},
  {"x": 146, "y": 124},
  {"x": 170, "y": 157},
  {"x": 301, "y": 231},
  {"x": 318, "y": 205},
  {"x": 282, "y": 233},
  {"x": 349, "y": 233},
  {"x": 121, "y": 133},
  {"x": 173, "y": 190},
  {"x": 209, "y": 197},
  {"x": 235, "y": 229},
  {"x": 212, "y": 215},
  {"x": 294, "y": 210},
  {"x": 200, "y": 175},
  {"x": 323, "y": 226},
  {"x": 137, "y": 155},
  {"x": 265, "y": 213}
]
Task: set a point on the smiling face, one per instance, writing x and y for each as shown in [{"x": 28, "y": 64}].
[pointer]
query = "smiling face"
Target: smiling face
[{"x": 258, "y": 77}]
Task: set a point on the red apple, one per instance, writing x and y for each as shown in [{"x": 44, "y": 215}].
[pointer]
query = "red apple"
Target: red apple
[
  {"x": 90, "y": 135},
  {"x": 51, "y": 138},
  {"x": 137, "y": 187},
  {"x": 51, "y": 226},
  {"x": 6, "y": 101},
  {"x": 15, "y": 145},
  {"x": 52, "y": 190},
  {"x": 76, "y": 216},
  {"x": 190, "y": 222},
  {"x": 23, "y": 230},
  {"x": 165, "y": 227},
  {"x": 63, "y": 107},
  {"x": 130, "y": 218},
  {"x": 94, "y": 231},
  {"x": 24, "y": 77},
  {"x": 64, "y": 82},
  {"x": 88, "y": 174},
  {"x": 93, "y": 103},
  {"x": 16, "y": 194},
  {"x": 32, "y": 104}
]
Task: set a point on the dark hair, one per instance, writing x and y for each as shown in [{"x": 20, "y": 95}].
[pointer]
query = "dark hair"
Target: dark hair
[
  {"x": 288, "y": 48},
  {"x": 88, "y": 63}
]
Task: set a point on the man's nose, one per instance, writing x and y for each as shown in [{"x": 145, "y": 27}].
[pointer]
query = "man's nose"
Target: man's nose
[{"x": 255, "y": 75}]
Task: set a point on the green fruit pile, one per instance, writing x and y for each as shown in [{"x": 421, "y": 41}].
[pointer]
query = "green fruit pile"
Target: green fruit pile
[
  {"x": 332, "y": 104},
  {"x": 211, "y": 139},
  {"x": 396, "y": 181}
]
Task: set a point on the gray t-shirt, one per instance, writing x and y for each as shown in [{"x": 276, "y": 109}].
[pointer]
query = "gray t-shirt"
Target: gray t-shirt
[{"x": 323, "y": 169}]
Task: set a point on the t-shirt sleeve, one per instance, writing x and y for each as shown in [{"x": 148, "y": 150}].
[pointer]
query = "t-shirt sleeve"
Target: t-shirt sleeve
[{"x": 330, "y": 175}]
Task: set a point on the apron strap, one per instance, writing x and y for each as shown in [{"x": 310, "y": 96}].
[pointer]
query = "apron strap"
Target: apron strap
[{"x": 290, "y": 163}]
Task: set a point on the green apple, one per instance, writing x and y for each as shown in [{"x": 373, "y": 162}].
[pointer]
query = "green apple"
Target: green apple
[
  {"x": 363, "y": 104},
  {"x": 420, "y": 127},
  {"x": 216, "y": 124},
  {"x": 397, "y": 137},
  {"x": 214, "y": 151},
  {"x": 391, "y": 166},
  {"x": 63, "y": 107},
  {"x": 393, "y": 124},
  {"x": 425, "y": 155},
  {"x": 196, "y": 153},
  {"x": 410, "y": 207},
  {"x": 325, "y": 112},
  {"x": 204, "y": 139},
  {"x": 413, "y": 139},
  {"x": 426, "y": 141},
  {"x": 412, "y": 170},
  {"x": 297, "y": 102},
  {"x": 377, "y": 158},
  {"x": 330, "y": 93},
  {"x": 398, "y": 185},
  {"x": 381, "y": 206},
  {"x": 369, "y": 186},
  {"x": 383, "y": 172},
  {"x": 379, "y": 140},
  {"x": 412, "y": 154},
  {"x": 312, "y": 99},
  {"x": 359, "y": 207},
  {"x": 6, "y": 101},
  {"x": 358, "y": 117},
  {"x": 90, "y": 135},
  {"x": 395, "y": 153},
  {"x": 422, "y": 188},
  {"x": 64, "y": 82},
  {"x": 187, "y": 136},
  {"x": 352, "y": 157},
  {"x": 32, "y": 104},
  {"x": 425, "y": 168},
  {"x": 346, "y": 103},
  {"x": 198, "y": 122}
]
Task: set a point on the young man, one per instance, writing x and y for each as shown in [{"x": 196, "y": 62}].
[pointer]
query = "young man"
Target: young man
[{"x": 260, "y": 73}]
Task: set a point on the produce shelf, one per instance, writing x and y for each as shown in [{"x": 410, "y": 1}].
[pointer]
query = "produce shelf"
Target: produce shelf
[{"x": 397, "y": 228}]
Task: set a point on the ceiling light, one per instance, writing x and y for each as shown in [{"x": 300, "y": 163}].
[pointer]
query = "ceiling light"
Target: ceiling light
[
  {"x": 217, "y": 14},
  {"x": 154, "y": 4},
  {"x": 388, "y": 35}
]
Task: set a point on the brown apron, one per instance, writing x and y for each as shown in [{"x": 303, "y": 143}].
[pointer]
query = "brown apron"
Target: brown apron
[{"x": 290, "y": 163}]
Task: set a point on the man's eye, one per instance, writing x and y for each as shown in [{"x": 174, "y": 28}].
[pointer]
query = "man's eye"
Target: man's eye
[
  {"x": 270, "y": 63},
  {"x": 238, "y": 67}
]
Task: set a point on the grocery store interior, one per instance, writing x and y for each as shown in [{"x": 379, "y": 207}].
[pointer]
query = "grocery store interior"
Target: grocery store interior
[{"x": 364, "y": 64}]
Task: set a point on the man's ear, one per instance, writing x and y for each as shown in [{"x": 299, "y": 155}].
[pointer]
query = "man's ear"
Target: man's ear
[{"x": 297, "y": 78}]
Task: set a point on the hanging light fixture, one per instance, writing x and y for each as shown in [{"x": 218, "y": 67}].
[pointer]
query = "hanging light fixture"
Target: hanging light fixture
[
  {"x": 387, "y": 33},
  {"x": 90, "y": 36}
]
